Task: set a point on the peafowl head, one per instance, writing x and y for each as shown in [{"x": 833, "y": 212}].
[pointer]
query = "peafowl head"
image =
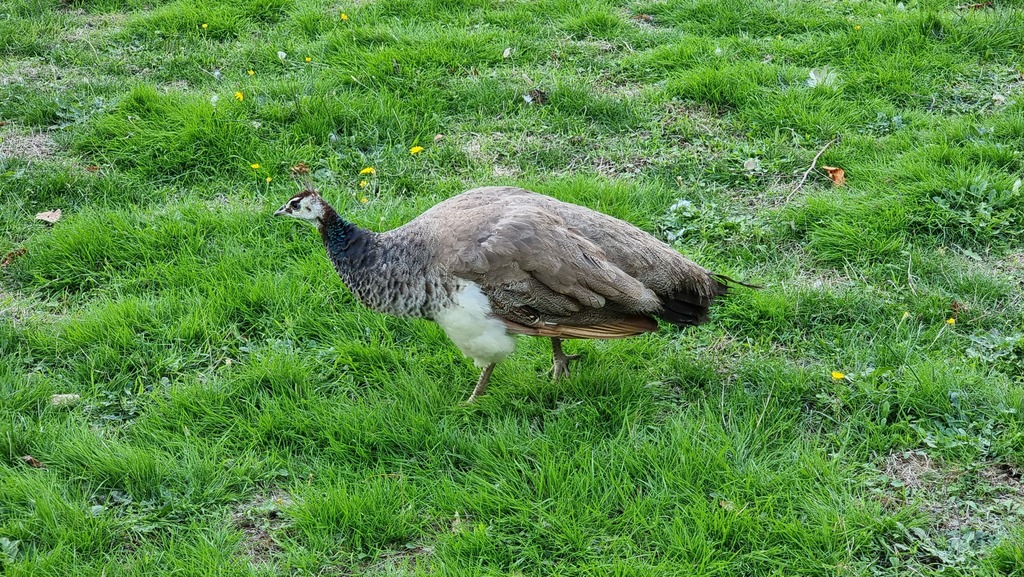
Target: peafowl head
[{"x": 306, "y": 205}]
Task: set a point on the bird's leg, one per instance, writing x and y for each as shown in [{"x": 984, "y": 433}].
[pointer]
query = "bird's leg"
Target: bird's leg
[
  {"x": 560, "y": 367},
  {"x": 481, "y": 384}
]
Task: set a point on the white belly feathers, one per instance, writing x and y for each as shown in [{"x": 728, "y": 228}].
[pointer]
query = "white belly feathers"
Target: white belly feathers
[{"x": 469, "y": 324}]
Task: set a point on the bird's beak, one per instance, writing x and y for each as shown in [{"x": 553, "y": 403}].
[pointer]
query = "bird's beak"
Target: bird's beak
[{"x": 281, "y": 210}]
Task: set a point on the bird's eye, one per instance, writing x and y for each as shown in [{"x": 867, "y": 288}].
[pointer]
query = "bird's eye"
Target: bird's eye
[{"x": 294, "y": 204}]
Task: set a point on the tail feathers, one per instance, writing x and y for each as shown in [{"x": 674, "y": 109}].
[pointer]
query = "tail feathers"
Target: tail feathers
[
  {"x": 683, "y": 310},
  {"x": 688, "y": 308},
  {"x": 725, "y": 281}
]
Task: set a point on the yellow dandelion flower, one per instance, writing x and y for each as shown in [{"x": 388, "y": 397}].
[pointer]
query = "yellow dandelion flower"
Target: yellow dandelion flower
[
  {"x": 344, "y": 17},
  {"x": 269, "y": 179},
  {"x": 363, "y": 199},
  {"x": 363, "y": 183},
  {"x": 205, "y": 26},
  {"x": 239, "y": 96},
  {"x": 367, "y": 170},
  {"x": 950, "y": 321},
  {"x": 416, "y": 150},
  {"x": 251, "y": 72},
  {"x": 308, "y": 59},
  {"x": 255, "y": 166},
  {"x": 857, "y": 27},
  {"x": 838, "y": 376}
]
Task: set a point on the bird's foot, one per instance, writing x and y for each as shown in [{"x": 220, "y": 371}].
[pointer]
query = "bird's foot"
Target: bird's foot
[{"x": 560, "y": 367}]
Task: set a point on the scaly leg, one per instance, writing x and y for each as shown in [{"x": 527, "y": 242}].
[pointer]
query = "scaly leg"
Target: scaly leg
[
  {"x": 481, "y": 385},
  {"x": 560, "y": 366}
]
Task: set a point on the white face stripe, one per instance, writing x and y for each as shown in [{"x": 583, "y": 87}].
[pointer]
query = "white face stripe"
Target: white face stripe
[{"x": 308, "y": 208}]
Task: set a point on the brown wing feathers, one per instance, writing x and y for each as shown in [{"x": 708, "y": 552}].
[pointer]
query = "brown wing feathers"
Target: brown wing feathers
[{"x": 556, "y": 269}]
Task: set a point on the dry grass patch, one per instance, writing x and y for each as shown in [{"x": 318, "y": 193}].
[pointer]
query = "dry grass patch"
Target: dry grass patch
[{"x": 26, "y": 145}]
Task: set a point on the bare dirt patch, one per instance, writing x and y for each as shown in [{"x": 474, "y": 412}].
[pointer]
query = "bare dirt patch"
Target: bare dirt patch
[
  {"x": 175, "y": 86},
  {"x": 987, "y": 90},
  {"x": 36, "y": 73},
  {"x": 968, "y": 509},
  {"x": 259, "y": 519},
  {"x": 612, "y": 157},
  {"x": 30, "y": 145},
  {"x": 473, "y": 147},
  {"x": 19, "y": 72},
  {"x": 92, "y": 26},
  {"x": 685, "y": 119},
  {"x": 400, "y": 562},
  {"x": 1012, "y": 264},
  {"x": 502, "y": 171},
  {"x": 19, "y": 308}
]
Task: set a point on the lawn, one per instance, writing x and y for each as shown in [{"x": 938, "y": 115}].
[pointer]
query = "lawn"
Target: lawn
[{"x": 187, "y": 388}]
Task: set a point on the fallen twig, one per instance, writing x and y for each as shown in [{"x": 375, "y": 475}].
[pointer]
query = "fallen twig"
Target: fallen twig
[{"x": 814, "y": 163}]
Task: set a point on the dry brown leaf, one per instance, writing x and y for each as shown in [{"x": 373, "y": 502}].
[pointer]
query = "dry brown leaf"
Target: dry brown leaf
[
  {"x": 33, "y": 462},
  {"x": 300, "y": 169},
  {"x": 838, "y": 175},
  {"x": 49, "y": 217},
  {"x": 438, "y": 137},
  {"x": 11, "y": 256},
  {"x": 978, "y": 6},
  {"x": 644, "y": 18},
  {"x": 92, "y": 168},
  {"x": 60, "y": 400}
]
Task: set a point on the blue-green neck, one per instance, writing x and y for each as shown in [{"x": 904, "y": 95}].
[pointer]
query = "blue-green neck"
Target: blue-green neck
[{"x": 347, "y": 244}]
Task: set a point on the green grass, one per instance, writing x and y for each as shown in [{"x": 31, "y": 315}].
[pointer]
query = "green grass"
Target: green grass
[{"x": 241, "y": 414}]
